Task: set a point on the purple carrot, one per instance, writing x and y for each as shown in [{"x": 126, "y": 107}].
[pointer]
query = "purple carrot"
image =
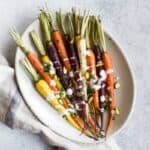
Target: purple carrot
[
  {"x": 70, "y": 46},
  {"x": 51, "y": 50},
  {"x": 53, "y": 55},
  {"x": 100, "y": 72}
]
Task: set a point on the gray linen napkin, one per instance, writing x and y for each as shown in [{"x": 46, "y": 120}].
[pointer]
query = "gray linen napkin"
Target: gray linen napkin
[{"x": 15, "y": 113}]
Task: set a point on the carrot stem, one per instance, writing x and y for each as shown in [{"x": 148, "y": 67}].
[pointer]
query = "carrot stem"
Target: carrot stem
[
  {"x": 77, "y": 21},
  {"x": 25, "y": 62},
  {"x": 19, "y": 40},
  {"x": 60, "y": 21},
  {"x": 101, "y": 34},
  {"x": 84, "y": 23},
  {"x": 71, "y": 29},
  {"x": 45, "y": 26},
  {"x": 37, "y": 42}
]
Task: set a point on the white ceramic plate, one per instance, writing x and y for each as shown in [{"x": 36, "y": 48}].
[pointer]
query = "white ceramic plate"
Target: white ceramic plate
[{"x": 47, "y": 115}]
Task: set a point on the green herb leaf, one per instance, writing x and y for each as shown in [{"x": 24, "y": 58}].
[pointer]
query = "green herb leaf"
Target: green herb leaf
[{"x": 47, "y": 67}]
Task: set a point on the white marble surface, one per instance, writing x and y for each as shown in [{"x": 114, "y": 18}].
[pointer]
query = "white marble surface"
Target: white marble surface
[{"x": 129, "y": 22}]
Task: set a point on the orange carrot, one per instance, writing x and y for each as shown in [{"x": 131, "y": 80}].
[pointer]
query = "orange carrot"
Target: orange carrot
[
  {"x": 91, "y": 62},
  {"x": 39, "y": 67},
  {"x": 58, "y": 40},
  {"x": 110, "y": 75},
  {"x": 32, "y": 58},
  {"x": 92, "y": 123},
  {"x": 110, "y": 83},
  {"x": 81, "y": 125}
]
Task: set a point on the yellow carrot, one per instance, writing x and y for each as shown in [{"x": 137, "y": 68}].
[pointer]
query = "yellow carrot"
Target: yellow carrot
[{"x": 43, "y": 88}]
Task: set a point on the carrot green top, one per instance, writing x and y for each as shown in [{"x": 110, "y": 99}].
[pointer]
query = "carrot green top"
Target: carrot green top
[
  {"x": 101, "y": 33},
  {"x": 17, "y": 38},
  {"x": 45, "y": 27},
  {"x": 60, "y": 21},
  {"x": 25, "y": 62},
  {"x": 37, "y": 42}
]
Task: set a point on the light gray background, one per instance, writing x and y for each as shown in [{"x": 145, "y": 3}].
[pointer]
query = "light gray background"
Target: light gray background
[{"x": 129, "y": 22}]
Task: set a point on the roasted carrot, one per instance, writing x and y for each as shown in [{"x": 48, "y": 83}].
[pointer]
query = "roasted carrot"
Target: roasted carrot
[
  {"x": 39, "y": 67},
  {"x": 91, "y": 63},
  {"x": 58, "y": 40},
  {"x": 33, "y": 59},
  {"x": 69, "y": 39},
  {"x": 110, "y": 86},
  {"x": 51, "y": 50},
  {"x": 84, "y": 129},
  {"x": 110, "y": 75},
  {"x": 92, "y": 68},
  {"x": 100, "y": 71},
  {"x": 59, "y": 43}
]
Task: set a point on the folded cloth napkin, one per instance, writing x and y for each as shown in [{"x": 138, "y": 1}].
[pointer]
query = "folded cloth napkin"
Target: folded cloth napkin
[{"x": 15, "y": 113}]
